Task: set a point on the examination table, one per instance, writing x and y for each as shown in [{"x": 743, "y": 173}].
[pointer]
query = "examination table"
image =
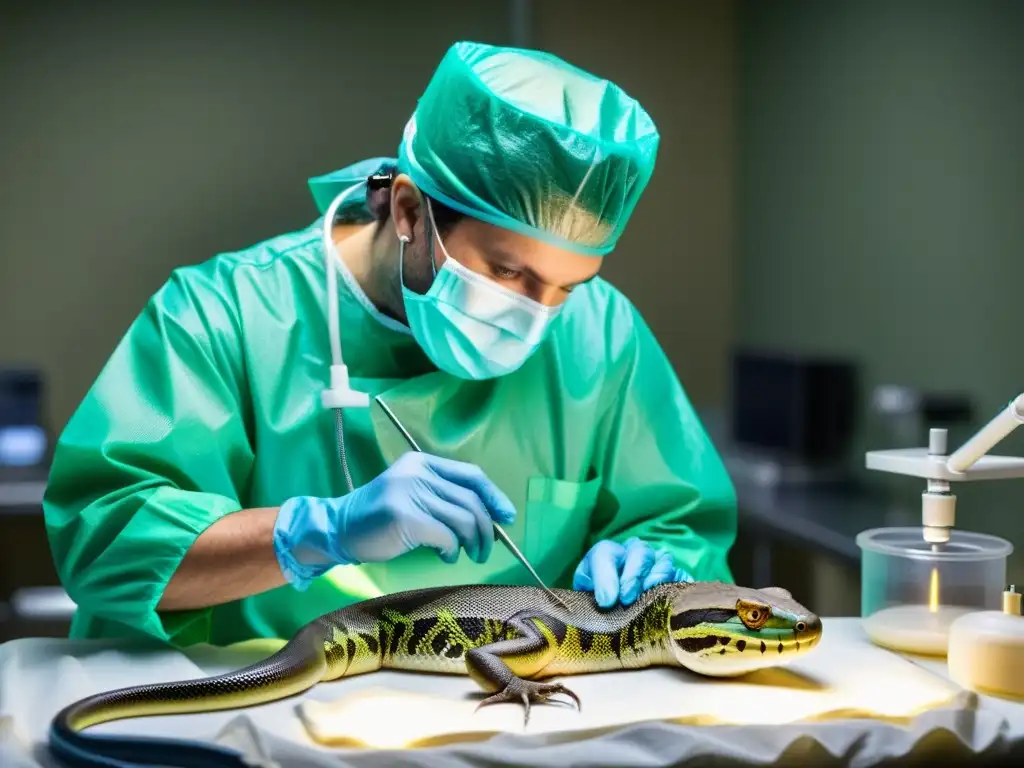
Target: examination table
[{"x": 848, "y": 703}]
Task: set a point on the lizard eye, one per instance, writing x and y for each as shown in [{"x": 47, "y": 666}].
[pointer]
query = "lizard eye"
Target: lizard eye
[{"x": 753, "y": 615}]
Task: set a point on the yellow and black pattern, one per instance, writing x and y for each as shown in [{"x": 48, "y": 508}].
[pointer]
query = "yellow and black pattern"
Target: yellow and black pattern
[
  {"x": 508, "y": 639},
  {"x": 435, "y": 644}
]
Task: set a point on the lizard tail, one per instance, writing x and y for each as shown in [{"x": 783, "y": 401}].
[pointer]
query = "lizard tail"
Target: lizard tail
[{"x": 298, "y": 666}]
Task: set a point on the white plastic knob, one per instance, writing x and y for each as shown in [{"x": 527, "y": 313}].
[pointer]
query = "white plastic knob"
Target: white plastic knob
[
  {"x": 938, "y": 442},
  {"x": 341, "y": 394},
  {"x": 938, "y": 512}
]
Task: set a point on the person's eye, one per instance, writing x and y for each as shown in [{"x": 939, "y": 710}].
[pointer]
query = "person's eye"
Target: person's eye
[{"x": 504, "y": 272}]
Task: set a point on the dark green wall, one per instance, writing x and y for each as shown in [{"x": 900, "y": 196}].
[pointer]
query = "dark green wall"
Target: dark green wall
[
  {"x": 136, "y": 137},
  {"x": 881, "y": 198}
]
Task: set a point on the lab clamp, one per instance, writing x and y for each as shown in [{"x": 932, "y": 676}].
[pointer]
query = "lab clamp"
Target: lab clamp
[{"x": 970, "y": 462}]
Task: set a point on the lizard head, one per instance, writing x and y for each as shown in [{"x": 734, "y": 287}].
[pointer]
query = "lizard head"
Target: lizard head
[{"x": 723, "y": 630}]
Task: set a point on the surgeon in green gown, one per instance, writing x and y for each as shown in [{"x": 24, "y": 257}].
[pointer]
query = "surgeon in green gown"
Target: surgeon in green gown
[{"x": 202, "y": 492}]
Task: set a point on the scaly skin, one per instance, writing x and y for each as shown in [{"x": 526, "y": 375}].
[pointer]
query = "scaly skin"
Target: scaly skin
[{"x": 508, "y": 639}]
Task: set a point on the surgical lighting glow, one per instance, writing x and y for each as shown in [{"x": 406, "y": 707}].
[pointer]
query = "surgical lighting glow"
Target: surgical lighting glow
[
  {"x": 845, "y": 677},
  {"x": 933, "y": 591}
]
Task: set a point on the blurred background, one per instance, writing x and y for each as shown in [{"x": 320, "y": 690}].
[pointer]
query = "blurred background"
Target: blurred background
[{"x": 829, "y": 250}]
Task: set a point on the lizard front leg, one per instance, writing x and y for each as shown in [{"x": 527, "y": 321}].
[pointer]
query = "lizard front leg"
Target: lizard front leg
[{"x": 503, "y": 666}]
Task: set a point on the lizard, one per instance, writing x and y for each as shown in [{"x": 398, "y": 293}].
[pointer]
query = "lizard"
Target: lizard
[{"x": 510, "y": 640}]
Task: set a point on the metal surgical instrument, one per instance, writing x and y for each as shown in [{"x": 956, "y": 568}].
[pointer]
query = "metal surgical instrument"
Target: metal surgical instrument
[{"x": 498, "y": 530}]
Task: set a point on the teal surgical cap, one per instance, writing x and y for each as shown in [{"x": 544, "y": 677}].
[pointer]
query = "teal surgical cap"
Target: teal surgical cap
[{"x": 525, "y": 141}]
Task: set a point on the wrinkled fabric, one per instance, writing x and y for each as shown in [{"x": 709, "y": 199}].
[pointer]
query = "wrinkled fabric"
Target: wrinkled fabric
[
  {"x": 38, "y": 677},
  {"x": 210, "y": 404},
  {"x": 523, "y": 140}
]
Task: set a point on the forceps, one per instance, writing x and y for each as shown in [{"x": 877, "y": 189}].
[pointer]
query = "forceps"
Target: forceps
[{"x": 498, "y": 530}]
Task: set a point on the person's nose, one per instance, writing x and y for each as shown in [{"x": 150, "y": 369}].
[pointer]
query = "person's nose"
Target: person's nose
[{"x": 550, "y": 296}]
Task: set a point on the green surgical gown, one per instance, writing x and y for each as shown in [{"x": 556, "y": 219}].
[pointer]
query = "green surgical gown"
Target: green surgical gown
[{"x": 211, "y": 404}]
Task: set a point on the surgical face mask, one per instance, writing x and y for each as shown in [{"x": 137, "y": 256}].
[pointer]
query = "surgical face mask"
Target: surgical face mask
[{"x": 470, "y": 326}]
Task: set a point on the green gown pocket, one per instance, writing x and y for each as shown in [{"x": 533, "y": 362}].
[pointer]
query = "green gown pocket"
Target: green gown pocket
[{"x": 557, "y": 525}]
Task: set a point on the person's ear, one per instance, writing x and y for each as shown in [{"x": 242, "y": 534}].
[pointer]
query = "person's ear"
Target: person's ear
[{"x": 406, "y": 207}]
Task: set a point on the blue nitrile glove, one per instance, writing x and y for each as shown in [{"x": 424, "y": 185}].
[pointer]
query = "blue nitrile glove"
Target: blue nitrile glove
[
  {"x": 620, "y": 572},
  {"x": 421, "y": 500}
]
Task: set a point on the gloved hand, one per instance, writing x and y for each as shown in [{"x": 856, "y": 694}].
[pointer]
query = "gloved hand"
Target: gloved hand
[
  {"x": 421, "y": 500},
  {"x": 620, "y": 572}
]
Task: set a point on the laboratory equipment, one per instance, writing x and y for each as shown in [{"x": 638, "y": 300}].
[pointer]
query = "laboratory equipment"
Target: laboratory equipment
[
  {"x": 915, "y": 582},
  {"x": 986, "y": 649},
  {"x": 792, "y": 417},
  {"x": 901, "y": 414},
  {"x": 21, "y": 397},
  {"x": 22, "y": 446},
  {"x": 970, "y": 462},
  {"x": 498, "y": 530},
  {"x": 23, "y": 440},
  {"x": 912, "y": 592}
]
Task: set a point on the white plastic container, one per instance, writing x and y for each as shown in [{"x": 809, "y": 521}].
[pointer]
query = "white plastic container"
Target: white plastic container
[
  {"x": 911, "y": 591},
  {"x": 986, "y": 650}
]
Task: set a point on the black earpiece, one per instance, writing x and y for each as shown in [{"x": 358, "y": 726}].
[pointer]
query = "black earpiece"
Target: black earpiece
[{"x": 380, "y": 180}]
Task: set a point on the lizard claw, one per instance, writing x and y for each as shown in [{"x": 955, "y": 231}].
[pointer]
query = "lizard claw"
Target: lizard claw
[{"x": 528, "y": 691}]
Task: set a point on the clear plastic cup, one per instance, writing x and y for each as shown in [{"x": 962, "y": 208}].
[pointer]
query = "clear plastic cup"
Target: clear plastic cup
[{"x": 911, "y": 591}]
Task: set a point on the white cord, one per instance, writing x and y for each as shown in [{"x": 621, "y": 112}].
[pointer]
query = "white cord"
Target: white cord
[
  {"x": 330, "y": 253},
  {"x": 339, "y": 394}
]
